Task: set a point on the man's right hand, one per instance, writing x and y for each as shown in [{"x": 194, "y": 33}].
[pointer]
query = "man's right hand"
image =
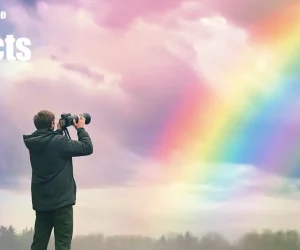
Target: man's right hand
[{"x": 80, "y": 123}]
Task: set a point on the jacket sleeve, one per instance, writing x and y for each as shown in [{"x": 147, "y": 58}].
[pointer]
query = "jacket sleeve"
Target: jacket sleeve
[{"x": 73, "y": 148}]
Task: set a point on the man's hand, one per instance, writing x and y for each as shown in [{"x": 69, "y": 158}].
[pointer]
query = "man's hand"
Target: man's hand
[
  {"x": 80, "y": 123},
  {"x": 58, "y": 127}
]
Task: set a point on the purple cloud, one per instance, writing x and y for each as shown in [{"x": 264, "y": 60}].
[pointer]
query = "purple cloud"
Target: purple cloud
[{"x": 124, "y": 130}]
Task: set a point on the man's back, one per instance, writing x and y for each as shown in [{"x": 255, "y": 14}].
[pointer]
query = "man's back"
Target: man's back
[{"x": 53, "y": 185}]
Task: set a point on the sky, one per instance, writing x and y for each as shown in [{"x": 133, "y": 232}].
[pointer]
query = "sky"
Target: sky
[{"x": 194, "y": 109}]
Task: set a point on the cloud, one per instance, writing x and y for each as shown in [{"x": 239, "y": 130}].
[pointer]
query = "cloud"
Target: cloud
[
  {"x": 41, "y": 92},
  {"x": 146, "y": 71},
  {"x": 130, "y": 120},
  {"x": 139, "y": 93},
  {"x": 10, "y": 157},
  {"x": 175, "y": 206},
  {"x": 247, "y": 13},
  {"x": 29, "y": 2},
  {"x": 85, "y": 71},
  {"x": 117, "y": 14}
]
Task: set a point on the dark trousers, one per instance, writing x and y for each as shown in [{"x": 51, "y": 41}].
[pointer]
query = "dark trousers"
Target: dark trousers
[{"x": 62, "y": 222}]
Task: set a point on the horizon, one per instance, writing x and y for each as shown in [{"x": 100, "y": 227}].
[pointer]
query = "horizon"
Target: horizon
[
  {"x": 168, "y": 235},
  {"x": 251, "y": 240}
]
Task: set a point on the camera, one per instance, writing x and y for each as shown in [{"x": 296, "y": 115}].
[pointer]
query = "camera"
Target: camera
[{"x": 66, "y": 120}]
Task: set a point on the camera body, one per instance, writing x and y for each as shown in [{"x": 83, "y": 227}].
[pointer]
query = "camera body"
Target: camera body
[{"x": 66, "y": 119}]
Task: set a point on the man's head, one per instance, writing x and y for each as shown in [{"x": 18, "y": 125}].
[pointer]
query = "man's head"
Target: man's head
[{"x": 44, "y": 119}]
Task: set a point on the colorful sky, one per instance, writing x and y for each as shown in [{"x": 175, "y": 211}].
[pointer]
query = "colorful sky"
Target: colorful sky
[{"x": 195, "y": 111}]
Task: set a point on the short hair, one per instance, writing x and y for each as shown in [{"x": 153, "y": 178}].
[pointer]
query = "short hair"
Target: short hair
[{"x": 43, "y": 119}]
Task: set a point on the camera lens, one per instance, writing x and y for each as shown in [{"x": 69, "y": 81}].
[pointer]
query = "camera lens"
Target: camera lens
[{"x": 87, "y": 118}]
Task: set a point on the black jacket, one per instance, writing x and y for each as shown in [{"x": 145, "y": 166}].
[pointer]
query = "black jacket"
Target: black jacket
[{"x": 52, "y": 184}]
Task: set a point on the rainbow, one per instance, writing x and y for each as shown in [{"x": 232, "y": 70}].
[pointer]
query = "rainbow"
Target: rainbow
[{"x": 204, "y": 128}]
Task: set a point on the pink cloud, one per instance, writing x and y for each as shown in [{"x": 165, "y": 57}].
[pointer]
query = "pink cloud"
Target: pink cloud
[
  {"x": 247, "y": 13},
  {"x": 120, "y": 13},
  {"x": 129, "y": 116},
  {"x": 125, "y": 126},
  {"x": 85, "y": 71}
]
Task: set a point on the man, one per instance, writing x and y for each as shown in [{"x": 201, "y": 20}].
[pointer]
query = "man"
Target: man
[{"x": 53, "y": 188}]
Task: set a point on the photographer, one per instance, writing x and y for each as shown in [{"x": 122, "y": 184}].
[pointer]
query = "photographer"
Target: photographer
[{"x": 53, "y": 187}]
